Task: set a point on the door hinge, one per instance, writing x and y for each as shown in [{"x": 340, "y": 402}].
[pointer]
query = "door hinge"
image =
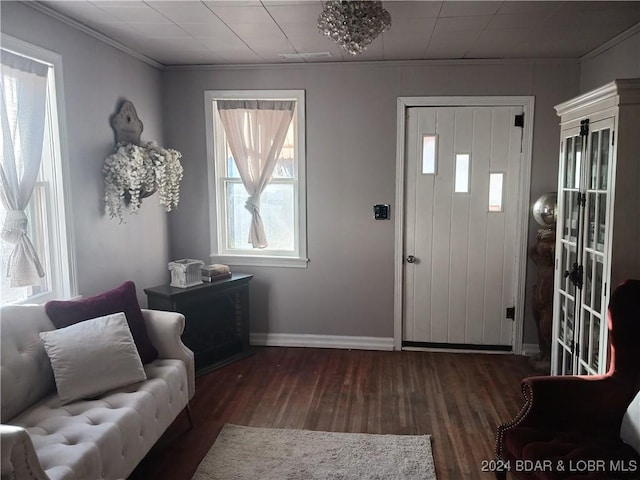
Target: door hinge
[
  {"x": 613, "y": 137},
  {"x": 511, "y": 313},
  {"x": 584, "y": 127},
  {"x": 519, "y": 120}
]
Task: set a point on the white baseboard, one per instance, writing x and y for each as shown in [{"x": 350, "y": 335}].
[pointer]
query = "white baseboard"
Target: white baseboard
[
  {"x": 320, "y": 341},
  {"x": 342, "y": 342},
  {"x": 530, "y": 349}
]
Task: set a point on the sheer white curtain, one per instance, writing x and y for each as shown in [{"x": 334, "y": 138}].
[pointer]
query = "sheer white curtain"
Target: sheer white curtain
[
  {"x": 23, "y": 96},
  {"x": 256, "y": 130}
]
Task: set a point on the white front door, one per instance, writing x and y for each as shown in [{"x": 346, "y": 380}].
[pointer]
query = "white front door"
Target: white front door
[{"x": 461, "y": 192}]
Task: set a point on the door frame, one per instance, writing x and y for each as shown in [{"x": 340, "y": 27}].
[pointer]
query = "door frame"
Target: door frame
[{"x": 524, "y": 183}]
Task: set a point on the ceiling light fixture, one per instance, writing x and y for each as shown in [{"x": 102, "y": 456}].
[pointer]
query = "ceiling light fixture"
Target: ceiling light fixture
[
  {"x": 353, "y": 24},
  {"x": 304, "y": 56}
]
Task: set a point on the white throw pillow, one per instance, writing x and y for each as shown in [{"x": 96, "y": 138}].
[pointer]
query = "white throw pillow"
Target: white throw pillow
[
  {"x": 630, "y": 429},
  {"x": 93, "y": 357}
]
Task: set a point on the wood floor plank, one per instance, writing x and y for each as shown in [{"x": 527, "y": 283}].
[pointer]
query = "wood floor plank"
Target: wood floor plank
[{"x": 458, "y": 398}]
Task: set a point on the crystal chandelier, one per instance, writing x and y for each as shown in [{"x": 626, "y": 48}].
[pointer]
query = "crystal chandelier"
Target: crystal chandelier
[{"x": 353, "y": 25}]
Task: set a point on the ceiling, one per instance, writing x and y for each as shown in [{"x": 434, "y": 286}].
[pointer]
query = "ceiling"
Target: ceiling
[{"x": 248, "y": 32}]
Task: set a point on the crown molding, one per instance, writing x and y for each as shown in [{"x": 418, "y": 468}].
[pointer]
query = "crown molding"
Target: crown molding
[
  {"x": 628, "y": 33},
  {"x": 380, "y": 63},
  {"x": 618, "y": 92},
  {"x": 36, "y": 5}
]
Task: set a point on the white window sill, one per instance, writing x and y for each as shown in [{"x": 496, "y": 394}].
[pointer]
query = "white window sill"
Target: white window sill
[
  {"x": 256, "y": 261},
  {"x": 41, "y": 299}
]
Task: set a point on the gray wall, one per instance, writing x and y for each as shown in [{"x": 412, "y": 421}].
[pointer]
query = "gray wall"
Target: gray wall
[
  {"x": 351, "y": 139},
  {"x": 348, "y": 287},
  {"x": 619, "y": 61},
  {"x": 96, "y": 78}
]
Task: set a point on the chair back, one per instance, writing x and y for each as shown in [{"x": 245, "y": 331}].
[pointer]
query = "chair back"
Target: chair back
[{"x": 624, "y": 330}]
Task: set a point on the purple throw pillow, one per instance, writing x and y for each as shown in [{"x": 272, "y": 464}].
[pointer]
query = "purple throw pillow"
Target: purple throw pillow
[{"x": 121, "y": 299}]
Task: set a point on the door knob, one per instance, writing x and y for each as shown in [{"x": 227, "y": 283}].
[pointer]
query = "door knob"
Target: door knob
[{"x": 411, "y": 259}]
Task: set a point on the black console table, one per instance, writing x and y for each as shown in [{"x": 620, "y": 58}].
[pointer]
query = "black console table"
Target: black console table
[{"x": 217, "y": 318}]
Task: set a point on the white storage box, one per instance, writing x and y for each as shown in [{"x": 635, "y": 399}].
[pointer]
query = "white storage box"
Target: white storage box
[{"x": 185, "y": 273}]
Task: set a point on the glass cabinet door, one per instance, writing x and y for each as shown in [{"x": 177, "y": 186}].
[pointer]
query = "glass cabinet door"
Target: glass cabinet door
[
  {"x": 591, "y": 351},
  {"x": 580, "y": 303},
  {"x": 568, "y": 236}
]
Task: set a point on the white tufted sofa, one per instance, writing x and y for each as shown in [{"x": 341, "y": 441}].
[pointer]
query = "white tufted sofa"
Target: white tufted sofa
[{"x": 103, "y": 438}]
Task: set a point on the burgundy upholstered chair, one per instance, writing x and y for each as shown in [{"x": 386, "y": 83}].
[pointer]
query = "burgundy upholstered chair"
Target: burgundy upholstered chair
[{"x": 567, "y": 421}]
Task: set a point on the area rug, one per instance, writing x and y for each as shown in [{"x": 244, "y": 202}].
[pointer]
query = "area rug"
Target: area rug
[{"x": 248, "y": 453}]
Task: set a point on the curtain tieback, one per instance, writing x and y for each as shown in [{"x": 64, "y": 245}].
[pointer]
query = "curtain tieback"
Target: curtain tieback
[
  {"x": 15, "y": 226},
  {"x": 253, "y": 203}
]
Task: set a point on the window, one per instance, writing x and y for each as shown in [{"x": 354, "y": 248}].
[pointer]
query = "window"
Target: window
[
  {"x": 428, "y": 154},
  {"x": 496, "y": 181},
  {"x": 45, "y": 209},
  {"x": 462, "y": 173},
  {"x": 256, "y": 152}
]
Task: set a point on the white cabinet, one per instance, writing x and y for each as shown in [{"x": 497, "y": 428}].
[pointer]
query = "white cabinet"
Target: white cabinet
[{"x": 598, "y": 225}]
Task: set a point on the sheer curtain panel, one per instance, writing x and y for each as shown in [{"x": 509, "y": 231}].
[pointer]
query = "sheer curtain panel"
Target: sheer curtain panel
[
  {"x": 23, "y": 99},
  {"x": 255, "y": 131}
]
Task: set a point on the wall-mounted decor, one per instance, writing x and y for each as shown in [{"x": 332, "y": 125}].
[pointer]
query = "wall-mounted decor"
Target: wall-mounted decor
[{"x": 138, "y": 169}]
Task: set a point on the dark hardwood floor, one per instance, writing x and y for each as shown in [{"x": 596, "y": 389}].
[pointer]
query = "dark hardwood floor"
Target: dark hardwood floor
[{"x": 458, "y": 398}]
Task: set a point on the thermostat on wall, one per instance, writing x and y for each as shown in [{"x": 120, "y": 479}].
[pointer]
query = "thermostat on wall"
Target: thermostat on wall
[{"x": 381, "y": 211}]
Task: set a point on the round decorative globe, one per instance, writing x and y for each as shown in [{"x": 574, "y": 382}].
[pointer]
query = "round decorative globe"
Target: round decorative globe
[{"x": 545, "y": 210}]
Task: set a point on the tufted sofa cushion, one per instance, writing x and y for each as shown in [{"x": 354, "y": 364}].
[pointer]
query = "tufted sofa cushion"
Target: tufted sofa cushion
[{"x": 106, "y": 438}]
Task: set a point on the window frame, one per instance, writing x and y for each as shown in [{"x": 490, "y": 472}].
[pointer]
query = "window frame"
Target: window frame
[
  {"x": 217, "y": 199},
  {"x": 60, "y": 235}
]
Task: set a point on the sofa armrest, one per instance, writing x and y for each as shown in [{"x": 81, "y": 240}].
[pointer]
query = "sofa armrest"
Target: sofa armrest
[
  {"x": 165, "y": 330},
  {"x": 19, "y": 458}
]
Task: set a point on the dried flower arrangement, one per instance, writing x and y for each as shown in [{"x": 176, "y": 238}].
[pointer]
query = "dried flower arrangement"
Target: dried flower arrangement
[{"x": 134, "y": 172}]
